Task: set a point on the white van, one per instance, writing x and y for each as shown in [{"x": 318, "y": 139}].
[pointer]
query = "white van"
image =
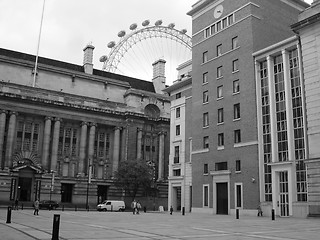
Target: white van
[{"x": 111, "y": 205}]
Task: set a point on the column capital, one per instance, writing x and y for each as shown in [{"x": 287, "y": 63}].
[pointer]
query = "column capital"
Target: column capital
[
  {"x": 162, "y": 133},
  {"x": 84, "y": 123},
  {"x": 13, "y": 113},
  {"x": 92, "y": 124},
  {"x": 48, "y": 118},
  {"x": 58, "y": 119},
  {"x": 284, "y": 51},
  {"x": 3, "y": 111},
  {"x": 139, "y": 129},
  {"x": 117, "y": 128}
]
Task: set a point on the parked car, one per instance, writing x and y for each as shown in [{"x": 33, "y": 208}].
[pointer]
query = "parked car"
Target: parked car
[
  {"x": 111, "y": 205},
  {"x": 47, "y": 204}
]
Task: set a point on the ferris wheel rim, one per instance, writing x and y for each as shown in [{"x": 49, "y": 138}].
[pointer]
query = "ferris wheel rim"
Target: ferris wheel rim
[{"x": 127, "y": 41}]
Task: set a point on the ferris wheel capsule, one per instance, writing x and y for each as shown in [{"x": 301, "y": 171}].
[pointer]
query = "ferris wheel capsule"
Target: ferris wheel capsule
[
  {"x": 121, "y": 33},
  {"x": 183, "y": 31},
  {"x": 103, "y": 58},
  {"x": 158, "y": 23},
  {"x": 171, "y": 25},
  {"x": 133, "y": 26},
  {"x": 111, "y": 44},
  {"x": 145, "y": 23}
]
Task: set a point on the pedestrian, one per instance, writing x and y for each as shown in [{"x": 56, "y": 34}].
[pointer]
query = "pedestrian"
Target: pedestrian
[
  {"x": 134, "y": 206},
  {"x": 16, "y": 204},
  {"x": 171, "y": 210},
  {"x": 36, "y": 207},
  {"x": 259, "y": 211},
  {"x": 138, "y": 207}
]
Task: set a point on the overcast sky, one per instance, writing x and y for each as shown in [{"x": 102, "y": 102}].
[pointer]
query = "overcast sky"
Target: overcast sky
[{"x": 68, "y": 25}]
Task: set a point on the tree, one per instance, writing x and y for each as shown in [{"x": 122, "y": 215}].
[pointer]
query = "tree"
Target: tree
[{"x": 132, "y": 175}]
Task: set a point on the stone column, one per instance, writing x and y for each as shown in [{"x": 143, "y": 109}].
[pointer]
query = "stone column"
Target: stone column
[
  {"x": 273, "y": 120},
  {"x": 92, "y": 133},
  {"x": 82, "y": 150},
  {"x": 161, "y": 156},
  {"x": 10, "y": 139},
  {"x": 46, "y": 142},
  {"x": 55, "y": 144},
  {"x": 3, "y": 115},
  {"x": 124, "y": 144},
  {"x": 116, "y": 149},
  {"x": 288, "y": 97},
  {"x": 139, "y": 143}
]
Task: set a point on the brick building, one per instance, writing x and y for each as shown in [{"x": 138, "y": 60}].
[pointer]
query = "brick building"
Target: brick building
[
  {"x": 71, "y": 118},
  {"x": 224, "y": 125}
]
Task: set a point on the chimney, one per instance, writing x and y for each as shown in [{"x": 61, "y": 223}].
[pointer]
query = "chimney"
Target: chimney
[
  {"x": 159, "y": 79},
  {"x": 88, "y": 58}
]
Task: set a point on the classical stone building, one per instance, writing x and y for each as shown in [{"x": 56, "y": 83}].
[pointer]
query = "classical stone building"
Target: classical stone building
[{"x": 70, "y": 120}]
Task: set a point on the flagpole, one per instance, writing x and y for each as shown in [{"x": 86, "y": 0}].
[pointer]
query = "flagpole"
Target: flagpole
[{"x": 36, "y": 63}]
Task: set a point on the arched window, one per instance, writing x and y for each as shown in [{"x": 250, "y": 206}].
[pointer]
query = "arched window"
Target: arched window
[{"x": 152, "y": 110}]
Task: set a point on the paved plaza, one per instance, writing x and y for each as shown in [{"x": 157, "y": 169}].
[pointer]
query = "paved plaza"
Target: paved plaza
[{"x": 126, "y": 226}]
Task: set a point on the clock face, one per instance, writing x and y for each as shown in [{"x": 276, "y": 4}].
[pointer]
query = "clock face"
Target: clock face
[{"x": 218, "y": 11}]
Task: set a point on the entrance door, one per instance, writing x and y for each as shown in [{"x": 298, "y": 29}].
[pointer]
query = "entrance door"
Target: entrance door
[
  {"x": 66, "y": 192},
  {"x": 284, "y": 194},
  {"x": 102, "y": 193},
  {"x": 222, "y": 198},
  {"x": 24, "y": 188}
]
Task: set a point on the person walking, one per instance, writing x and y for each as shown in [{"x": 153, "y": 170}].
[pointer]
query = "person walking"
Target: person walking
[
  {"x": 171, "y": 210},
  {"x": 16, "y": 204},
  {"x": 36, "y": 207},
  {"x": 134, "y": 206},
  {"x": 138, "y": 207}
]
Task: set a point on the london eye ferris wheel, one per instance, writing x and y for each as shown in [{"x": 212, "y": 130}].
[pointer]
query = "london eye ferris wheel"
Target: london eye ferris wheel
[{"x": 136, "y": 50}]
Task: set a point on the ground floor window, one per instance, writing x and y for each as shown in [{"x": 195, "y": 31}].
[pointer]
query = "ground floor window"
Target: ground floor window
[
  {"x": 206, "y": 195},
  {"x": 66, "y": 192}
]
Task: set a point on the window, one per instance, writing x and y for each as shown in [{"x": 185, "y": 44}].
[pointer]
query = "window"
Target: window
[
  {"x": 237, "y": 136},
  {"x": 234, "y": 42},
  {"x": 177, "y": 172},
  {"x": 224, "y": 22},
  {"x": 205, "y": 119},
  {"x": 231, "y": 19},
  {"x": 235, "y": 65},
  {"x": 206, "y": 142},
  {"x": 219, "y": 26},
  {"x": 207, "y": 32},
  {"x": 238, "y": 195},
  {"x": 238, "y": 166},
  {"x": 102, "y": 145},
  {"x": 219, "y": 72},
  {"x": 219, "y": 50},
  {"x": 206, "y": 196},
  {"x": 219, "y": 92},
  {"x": 220, "y": 139},
  {"x": 205, "y": 57},
  {"x": 28, "y": 134},
  {"x": 220, "y": 115},
  {"x": 177, "y": 112},
  {"x": 213, "y": 29},
  {"x": 176, "y": 154},
  {"x": 205, "y": 97},
  {"x": 236, "y": 111},
  {"x": 236, "y": 86},
  {"x": 177, "y": 130},
  {"x": 220, "y": 166},
  {"x": 205, "y": 77},
  {"x": 178, "y": 95},
  {"x": 205, "y": 168}
]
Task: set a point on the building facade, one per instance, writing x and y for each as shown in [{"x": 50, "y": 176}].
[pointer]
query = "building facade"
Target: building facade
[
  {"x": 282, "y": 128},
  {"x": 308, "y": 29},
  {"x": 64, "y": 132},
  {"x": 224, "y": 126},
  {"x": 180, "y": 166}
]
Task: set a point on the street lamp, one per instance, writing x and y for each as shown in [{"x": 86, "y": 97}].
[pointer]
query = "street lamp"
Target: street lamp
[
  {"x": 89, "y": 181},
  {"x": 51, "y": 186}
]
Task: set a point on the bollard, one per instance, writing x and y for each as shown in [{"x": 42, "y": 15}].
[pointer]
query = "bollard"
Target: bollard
[
  {"x": 145, "y": 209},
  {"x": 111, "y": 208},
  {"x": 62, "y": 208},
  {"x": 183, "y": 210},
  {"x": 9, "y": 214},
  {"x": 272, "y": 215},
  {"x": 22, "y": 206},
  {"x": 75, "y": 208},
  {"x": 55, "y": 228},
  {"x": 237, "y": 213}
]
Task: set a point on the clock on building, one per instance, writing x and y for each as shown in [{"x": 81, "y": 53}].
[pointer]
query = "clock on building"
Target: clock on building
[{"x": 218, "y": 11}]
